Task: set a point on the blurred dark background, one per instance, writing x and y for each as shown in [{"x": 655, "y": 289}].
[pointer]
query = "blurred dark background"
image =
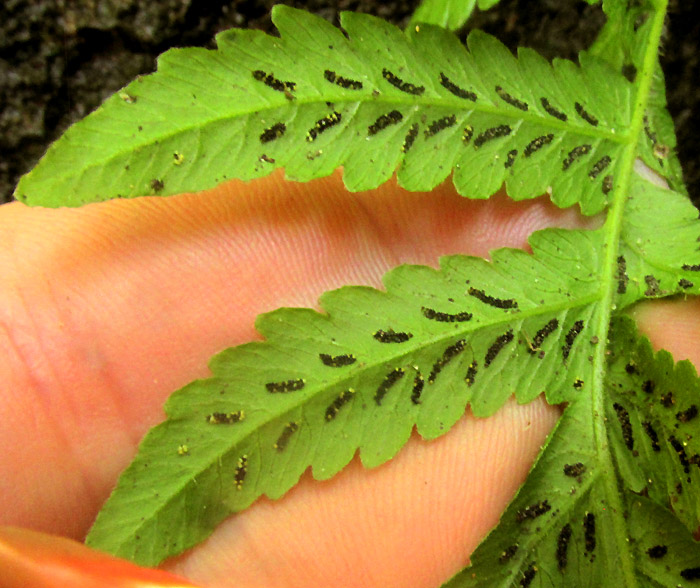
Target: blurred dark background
[{"x": 59, "y": 59}]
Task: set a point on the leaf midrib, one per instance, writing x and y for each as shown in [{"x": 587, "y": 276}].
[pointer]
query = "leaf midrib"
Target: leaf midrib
[{"x": 613, "y": 230}]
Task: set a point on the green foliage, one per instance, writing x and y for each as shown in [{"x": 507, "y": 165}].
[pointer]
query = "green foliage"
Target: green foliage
[
  {"x": 563, "y": 530},
  {"x": 425, "y": 106},
  {"x": 612, "y": 499},
  {"x": 449, "y": 14}
]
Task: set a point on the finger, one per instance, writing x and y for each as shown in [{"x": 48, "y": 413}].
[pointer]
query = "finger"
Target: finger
[
  {"x": 673, "y": 325},
  {"x": 108, "y": 308},
  {"x": 34, "y": 560}
]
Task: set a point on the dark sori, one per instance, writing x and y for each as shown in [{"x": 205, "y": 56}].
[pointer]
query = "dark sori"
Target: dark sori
[
  {"x": 528, "y": 576},
  {"x": 506, "y": 97},
  {"x": 225, "y": 418},
  {"x": 287, "y": 432},
  {"x": 508, "y": 553},
  {"x": 691, "y": 574},
  {"x": 397, "y": 82},
  {"x": 574, "y": 470},
  {"x": 551, "y": 111},
  {"x": 542, "y": 334},
  {"x": 589, "y": 118},
  {"x": 649, "y": 386},
  {"x": 599, "y": 167},
  {"x": 274, "y": 132},
  {"x": 575, "y": 154},
  {"x": 341, "y": 400},
  {"x": 391, "y": 336},
  {"x": 680, "y": 451},
  {"x": 589, "y": 531},
  {"x": 505, "y": 303},
  {"x": 440, "y": 124},
  {"x": 346, "y": 83},
  {"x": 450, "y": 86},
  {"x": 574, "y": 332},
  {"x": 323, "y": 124},
  {"x": 410, "y": 138},
  {"x": 667, "y": 400},
  {"x": 471, "y": 373},
  {"x": 337, "y": 360},
  {"x": 657, "y": 551},
  {"x": 687, "y": 415},
  {"x": 533, "y": 511},
  {"x": 653, "y": 437},
  {"x": 389, "y": 380},
  {"x": 607, "y": 184},
  {"x": 418, "y": 383},
  {"x": 285, "y": 386},
  {"x": 563, "y": 546},
  {"x": 653, "y": 288},
  {"x": 537, "y": 144},
  {"x": 467, "y": 134},
  {"x": 496, "y": 347},
  {"x": 272, "y": 82},
  {"x": 241, "y": 471},
  {"x": 385, "y": 120},
  {"x": 444, "y": 317},
  {"x": 624, "y": 419},
  {"x": 622, "y": 278},
  {"x": 451, "y": 352},
  {"x": 492, "y": 133}
]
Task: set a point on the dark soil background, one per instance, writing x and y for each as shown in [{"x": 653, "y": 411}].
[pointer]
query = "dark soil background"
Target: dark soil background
[{"x": 59, "y": 59}]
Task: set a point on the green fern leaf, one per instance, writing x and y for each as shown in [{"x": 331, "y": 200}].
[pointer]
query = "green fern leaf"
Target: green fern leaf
[
  {"x": 361, "y": 377},
  {"x": 563, "y": 527},
  {"x": 314, "y": 100}
]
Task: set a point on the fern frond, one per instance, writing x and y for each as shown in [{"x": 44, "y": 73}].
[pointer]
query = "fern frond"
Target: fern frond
[
  {"x": 361, "y": 377},
  {"x": 378, "y": 101}
]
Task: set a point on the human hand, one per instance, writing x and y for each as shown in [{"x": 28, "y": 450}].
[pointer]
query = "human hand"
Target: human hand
[{"x": 107, "y": 309}]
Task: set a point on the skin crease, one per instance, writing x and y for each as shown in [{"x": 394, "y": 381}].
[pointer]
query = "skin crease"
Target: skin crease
[{"x": 106, "y": 309}]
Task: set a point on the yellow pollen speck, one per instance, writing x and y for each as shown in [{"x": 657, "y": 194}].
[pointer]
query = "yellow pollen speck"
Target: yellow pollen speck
[{"x": 128, "y": 98}]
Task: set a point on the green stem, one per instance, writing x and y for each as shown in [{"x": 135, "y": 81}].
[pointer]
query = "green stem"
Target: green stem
[{"x": 613, "y": 231}]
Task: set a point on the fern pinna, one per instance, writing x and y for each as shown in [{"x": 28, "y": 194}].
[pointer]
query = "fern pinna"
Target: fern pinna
[{"x": 613, "y": 498}]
